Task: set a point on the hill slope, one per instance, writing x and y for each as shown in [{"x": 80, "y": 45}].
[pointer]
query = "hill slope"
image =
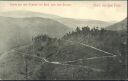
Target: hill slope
[
  {"x": 70, "y": 22},
  {"x": 59, "y": 58},
  {"x": 15, "y": 31},
  {"x": 24, "y": 14},
  {"x": 73, "y": 23},
  {"x": 13, "y": 66},
  {"x": 122, "y": 25}
]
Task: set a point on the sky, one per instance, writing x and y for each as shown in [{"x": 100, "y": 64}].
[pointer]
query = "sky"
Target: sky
[{"x": 98, "y": 10}]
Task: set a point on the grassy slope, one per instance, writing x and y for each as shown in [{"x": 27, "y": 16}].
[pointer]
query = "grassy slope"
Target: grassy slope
[
  {"x": 64, "y": 51},
  {"x": 12, "y": 66}
]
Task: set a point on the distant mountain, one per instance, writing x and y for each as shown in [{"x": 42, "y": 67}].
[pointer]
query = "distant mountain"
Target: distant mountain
[
  {"x": 73, "y": 23},
  {"x": 70, "y": 22},
  {"x": 15, "y": 31},
  {"x": 122, "y": 25},
  {"x": 24, "y": 14}
]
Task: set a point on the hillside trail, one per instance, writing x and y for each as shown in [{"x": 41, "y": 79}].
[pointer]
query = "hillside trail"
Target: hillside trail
[
  {"x": 92, "y": 47},
  {"x": 63, "y": 63},
  {"x": 13, "y": 49},
  {"x": 23, "y": 46},
  {"x": 43, "y": 59},
  {"x": 91, "y": 58},
  {"x": 58, "y": 63}
]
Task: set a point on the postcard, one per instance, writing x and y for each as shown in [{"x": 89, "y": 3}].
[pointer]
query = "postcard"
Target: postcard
[{"x": 63, "y": 40}]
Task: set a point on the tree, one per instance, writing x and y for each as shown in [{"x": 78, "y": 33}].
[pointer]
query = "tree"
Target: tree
[
  {"x": 86, "y": 29},
  {"x": 78, "y": 29}
]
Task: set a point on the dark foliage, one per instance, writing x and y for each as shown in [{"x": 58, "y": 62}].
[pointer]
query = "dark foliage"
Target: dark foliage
[{"x": 60, "y": 50}]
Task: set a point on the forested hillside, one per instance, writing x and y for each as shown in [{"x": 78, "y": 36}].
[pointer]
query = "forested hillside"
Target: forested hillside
[
  {"x": 83, "y": 54},
  {"x": 19, "y": 31}
]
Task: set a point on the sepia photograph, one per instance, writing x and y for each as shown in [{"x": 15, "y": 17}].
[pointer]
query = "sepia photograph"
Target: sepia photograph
[{"x": 63, "y": 40}]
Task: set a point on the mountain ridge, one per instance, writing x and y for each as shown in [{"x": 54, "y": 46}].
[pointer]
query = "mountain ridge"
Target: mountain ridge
[
  {"x": 119, "y": 26},
  {"x": 70, "y": 22},
  {"x": 21, "y": 30}
]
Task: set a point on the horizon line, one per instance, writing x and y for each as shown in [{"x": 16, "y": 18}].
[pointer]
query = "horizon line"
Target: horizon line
[{"x": 56, "y": 16}]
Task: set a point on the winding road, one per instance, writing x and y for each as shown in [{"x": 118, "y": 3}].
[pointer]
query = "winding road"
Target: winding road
[{"x": 44, "y": 60}]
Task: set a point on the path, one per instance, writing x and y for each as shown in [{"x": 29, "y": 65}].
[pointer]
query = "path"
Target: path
[{"x": 46, "y": 61}]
